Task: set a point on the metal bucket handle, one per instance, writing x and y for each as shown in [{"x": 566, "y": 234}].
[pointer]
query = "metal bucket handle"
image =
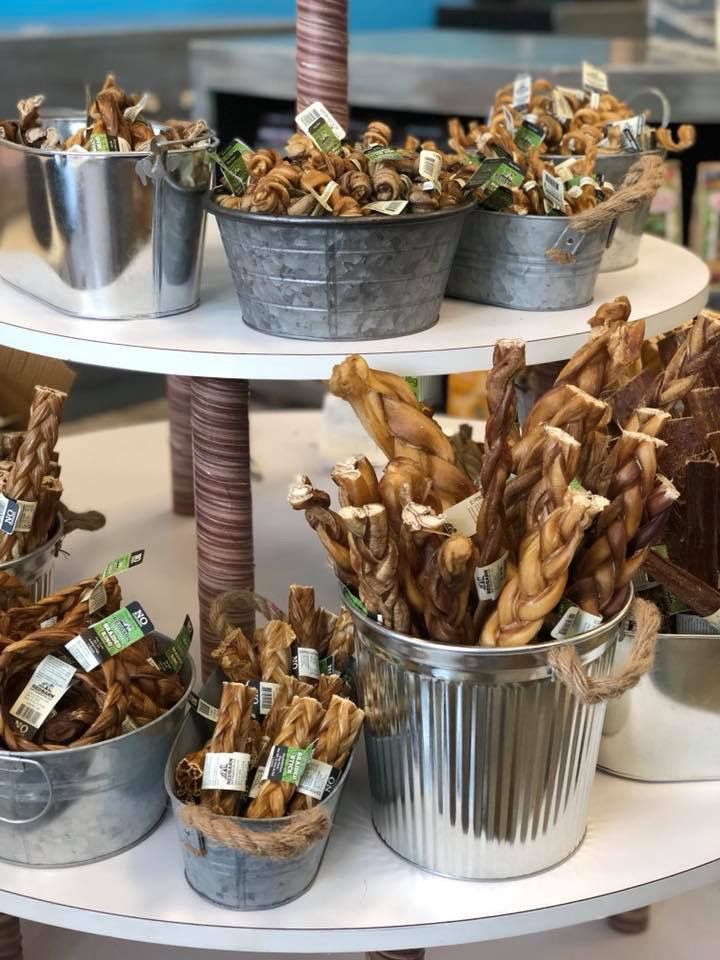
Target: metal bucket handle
[
  {"x": 18, "y": 765},
  {"x": 655, "y": 92},
  {"x": 153, "y": 165},
  {"x": 570, "y": 671}
]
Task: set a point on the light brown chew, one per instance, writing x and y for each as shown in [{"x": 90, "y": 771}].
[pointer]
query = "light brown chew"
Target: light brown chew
[
  {"x": 289, "y": 687},
  {"x": 189, "y": 774},
  {"x": 277, "y": 639},
  {"x": 356, "y": 481},
  {"x": 539, "y": 582},
  {"x": 328, "y": 686},
  {"x": 560, "y": 460},
  {"x": 231, "y": 735},
  {"x": 685, "y": 368},
  {"x": 236, "y": 657},
  {"x": 342, "y": 641},
  {"x": 326, "y": 523},
  {"x": 299, "y": 729},
  {"x": 302, "y": 615}
]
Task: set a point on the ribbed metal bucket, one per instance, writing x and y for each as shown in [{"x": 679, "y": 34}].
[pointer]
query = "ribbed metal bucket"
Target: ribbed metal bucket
[
  {"x": 65, "y": 807},
  {"x": 110, "y": 236},
  {"x": 36, "y": 568},
  {"x": 480, "y": 760},
  {"x": 227, "y": 876},
  {"x": 340, "y": 278},
  {"x": 501, "y": 260},
  {"x": 668, "y": 726}
]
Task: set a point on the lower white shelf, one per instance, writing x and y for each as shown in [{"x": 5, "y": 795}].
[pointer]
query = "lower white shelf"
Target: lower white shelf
[{"x": 645, "y": 841}]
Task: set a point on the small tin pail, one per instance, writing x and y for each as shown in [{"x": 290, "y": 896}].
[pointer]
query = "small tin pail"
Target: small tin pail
[{"x": 36, "y": 568}]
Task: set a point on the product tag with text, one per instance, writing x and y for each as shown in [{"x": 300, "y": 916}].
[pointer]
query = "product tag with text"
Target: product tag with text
[
  {"x": 574, "y": 622},
  {"x": 287, "y": 764},
  {"x": 522, "y": 91},
  {"x": 173, "y": 657},
  {"x": 322, "y": 127},
  {"x": 226, "y": 771},
  {"x": 553, "y": 192},
  {"x": 110, "y": 636},
  {"x": 463, "y": 516},
  {"x": 305, "y": 662},
  {"x": 593, "y": 78},
  {"x": 390, "y": 208},
  {"x": 429, "y": 166},
  {"x": 203, "y": 708},
  {"x": 50, "y": 680},
  {"x": 16, "y": 516},
  {"x": 265, "y": 693},
  {"x": 319, "y": 779},
  {"x": 490, "y": 579}
]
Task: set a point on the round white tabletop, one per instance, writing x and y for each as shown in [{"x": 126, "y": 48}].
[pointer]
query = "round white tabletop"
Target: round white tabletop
[
  {"x": 667, "y": 287},
  {"x": 645, "y": 842}
]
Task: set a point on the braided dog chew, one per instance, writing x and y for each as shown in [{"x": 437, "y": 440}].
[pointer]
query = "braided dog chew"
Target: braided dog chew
[
  {"x": 19, "y": 621},
  {"x": 47, "y": 508},
  {"x": 561, "y": 454},
  {"x": 230, "y": 735},
  {"x": 288, "y": 688},
  {"x": 336, "y": 735},
  {"x": 326, "y": 523},
  {"x": 299, "y": 728},
  {"x": 341, "y": 645},
  {"x": 328, "y": 686},
  {"x": 446, "y": 581},
  {"x": 189, "y": 774},
  {"x": 33, "y": 457},
  {"x": 565, "y": 406},
  {"x": 236, "y": 657},
  {"x": 302, "y": 615},
  {"x": 356, "y": 482},
  {"x": 685, "y": 369},
  {"x": 539, "y": 582},
  {"x": 275, "y": 656},
  {"x": 375, "y": 558}
]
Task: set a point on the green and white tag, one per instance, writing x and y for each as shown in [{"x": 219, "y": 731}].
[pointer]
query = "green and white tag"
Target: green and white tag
[
  {"x": 390, "y": 208},
  {"x": 319, "y": 779},
  {"x": 463, "y": 516},
  {"x": 265, "y": 693},
  {"x": 522, "y": 91},
  {"x": 528, "y": 136},
  {"x": 16, "y": 516},
  {"x": 305, "y": 662},
  {"x": 97, "y": 595},
  {"x": 226, "y": 771},
  {"x": 553, "y": 192},
  {"x": 574, "y": 622},
  {"x": 490, "y": 579},
  {"x": 110, "y": 636},
  {"x": 49, "y": 682},
  {"x": 322, "y": 127},
  {"x": 173, "y": 657},
  {"x": 231, "y": 161},
  {"x": 378, "y": 154},
  {"x": 287, "y": 764},
  {"x": 103, "y": 143}
]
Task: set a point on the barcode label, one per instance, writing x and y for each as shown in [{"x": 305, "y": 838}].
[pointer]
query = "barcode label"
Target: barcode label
[
  {"x": 553, "y": 191},
  {"x": 574, "y": 622},
  {"x": 429, "y": 166},
  {"x": 49, "y": 682},
  {"x": 522, "y": 89},
  {"x": 389, "y": 207},
  {"x": 204, "y": 708},
  {"x": 33, "y": 717},
  {"x": 321, "y": 126},
  {"x": 265, "y": 693},
  {"x": 490, "y": 579}
]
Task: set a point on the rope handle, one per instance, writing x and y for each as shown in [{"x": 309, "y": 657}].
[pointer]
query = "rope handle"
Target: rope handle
[
  {"x": 228, "y": 605},
  {"x": 570, "y": 671},
  {"x": 300, "y": 832},
  {"x": 641, "y": 183}
]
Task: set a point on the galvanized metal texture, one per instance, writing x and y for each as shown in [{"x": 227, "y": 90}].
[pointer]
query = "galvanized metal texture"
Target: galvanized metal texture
[
  {"x": 340, "y": 278},
  {"x": 226, "y": 876},
  {"x": 110, "y": 236},
  {"x": 668, "y": 726},
  {"x": 66, "y": 807},
  {"x": 480, "y": 761},
  {"x": 501, "y": 260},
  {"x": 36, "y": 568}
]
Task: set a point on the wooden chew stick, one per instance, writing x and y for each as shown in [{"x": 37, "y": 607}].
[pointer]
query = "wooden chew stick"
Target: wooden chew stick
[
  {"x": 231, "y": 734},
  {"x": 699, "y": 596}
]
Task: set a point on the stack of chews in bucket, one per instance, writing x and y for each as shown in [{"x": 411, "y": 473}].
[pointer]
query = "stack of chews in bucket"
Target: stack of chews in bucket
[
  {"x": 270, "y": 739},
  {"x": 535, "y": 535}
]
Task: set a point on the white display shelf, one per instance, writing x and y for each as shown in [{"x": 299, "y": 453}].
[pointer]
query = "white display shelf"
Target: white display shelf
[
  {"x": 668, "y": 286},
  {"x": 645, "y": 841}
]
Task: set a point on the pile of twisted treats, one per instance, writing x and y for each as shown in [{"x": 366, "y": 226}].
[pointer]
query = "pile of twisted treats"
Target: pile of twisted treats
[
  {"x": 30, "y": 471},
  {"x": 291, "y": 183},
  {"x": 112, "y": 112},
  {"x": 573, "y": 497},
  {"x": 305, "y": 710},
  {"x": 587, "y": 127},
  {"x": 124, "y": 692}
]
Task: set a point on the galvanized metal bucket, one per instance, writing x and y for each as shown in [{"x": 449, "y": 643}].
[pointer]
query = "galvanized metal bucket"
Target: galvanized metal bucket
[
  {"x": 36, "y": 568},
  {"x": 65, "y": 807},
  {"x": 668, "y": 726},
  {"x": 501, "y": 259},
  {"x": 110, "y": 236},
  {"x": 223, "y": 874},
  {"x": 480, "y": 760},
  {"x": 340, "y": 278}
]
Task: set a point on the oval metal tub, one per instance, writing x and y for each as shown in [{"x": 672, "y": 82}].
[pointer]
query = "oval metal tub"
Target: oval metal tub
[
  {"x": 340, "y": 278},
  {"x": 36, "y": 568},
  {"x": 65, "y": 807}
]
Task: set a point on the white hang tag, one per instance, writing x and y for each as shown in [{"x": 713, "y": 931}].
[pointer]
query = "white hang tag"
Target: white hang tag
[
  {"x": 321, "y": 126},
  {"x": 324, "y": 197},
  {"x": 594, "y": 100},
  {"x": 561, "y": 106},
  {"x": 554, "y": 191},
  {"x": 574, "y": 622},
  {"x": 318, "y": 780},
  {"x": 509, "y": 122},
  {"x": 463, "y": 516},
  {"x": 593, "y": 78},
  {"x": 50, "y": 680},
  {"x": 389, "y": 207},
  {"x": 565, "y": 170},
  {"x": 50, "y": 622},
  {"x": 522, "y": 91},
  {"x": 226, "y": 771},
  {"x": 257, "y": 782},
  {"x": 490, "y": 579},
  {"x": 305, "y": 662},
  {"x": 429, "y": 166}
]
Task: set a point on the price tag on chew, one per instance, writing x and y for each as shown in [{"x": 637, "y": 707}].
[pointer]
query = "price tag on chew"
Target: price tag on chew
[
  {"x": 463, "y": 516},
  {"x": 377, "y": 154},
  {"x": 389, "y": 207},
  {"x": 305, "y": 662},
  {"x": 522, "y": 90},
  {"x": 97, "y": 597},
  {"x": 173, "y": 657},
  {"x": 110, "y": 636},
  {"x": 508, "y": 118},
  {"x": 16, "y": 516},
  {"x": 553, "y": 191},
  {"x": 574, "y": 622},
  {"x": 429, "y": 166},
  {"x": 203, "y": 708},
  {"x": 226, "y": 771},
  {"x": 561, "y": 106},
  {"x": 593, "y": 78},
  {"x": 319, "y": 779},
  {"x": 489, "y": 580},
  {"x": 529, "y": 136},
  {"x": 322, "y": 127},
  {"x": 265, "y": 694},
  {"x": 232, "y": 163},
  {"x": 103, "y": 143},
  {"x": 324, "y": 198},
  {"x": 287, "y": 764},
  {"x": 50, "y": 680}
]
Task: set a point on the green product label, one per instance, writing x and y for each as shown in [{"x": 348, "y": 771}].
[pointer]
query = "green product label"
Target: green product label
[
  {"x": 661, "y": 550},
  {"x": 413, "y": 383},
  {"x": 102, "y": 143},
  {"x": 497, "y": 200},
  {"x": 323, "y": 137},
  {"x": 383, "y": 153},
  {"x": 173, "y": 657},
  {"x": 128, "y": 560},
  {"x": 354, "y": 602},
  {"x": 287, "y": 764},
  {"x": 111, "y": 635},
  {"x": 496, "y": 172},
  {"x": 232, "y": 163},
  {"x": 327, "y": 665},
  {"x": 528, "y": 136}
]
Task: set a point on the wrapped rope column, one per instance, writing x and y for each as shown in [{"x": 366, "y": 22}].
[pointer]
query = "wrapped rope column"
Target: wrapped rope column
[{"x": 321, "y": 56}]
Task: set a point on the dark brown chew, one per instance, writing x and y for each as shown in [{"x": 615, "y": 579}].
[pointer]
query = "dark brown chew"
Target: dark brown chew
[
  {"x": 700, "y": 597},
  {"x": 702, "y": 515}
]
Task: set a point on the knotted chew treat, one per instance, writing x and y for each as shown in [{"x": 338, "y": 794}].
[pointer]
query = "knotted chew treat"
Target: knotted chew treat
[
  {"x": 356, "y": 481},
  {"x": 539, "y": 582},
  {"x": 31, "y": 465},
  {"x": 189, "y": 774},
  {"x": 275, "y": 656},
  {"x": 377, "y": 134},
  {"x": 374, "y": 556},
  {"x": 302, "y": 495},
  {"x": 299, "y": 728},
  {"x": 336, "y": 735},
  {"x": 230, "y": 735}
]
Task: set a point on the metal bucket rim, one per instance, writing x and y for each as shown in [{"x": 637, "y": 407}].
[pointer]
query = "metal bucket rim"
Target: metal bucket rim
[
  {"x": 38, "y": 755},
  {"x": 48, "y": 546},
  {"x": 562, "y": 222},
  {"x": 625, "y": 154},
  {"x": 430, "y": 646},
  {"x": 96, "y": 155},
  {"x": 335, "y": 223}
]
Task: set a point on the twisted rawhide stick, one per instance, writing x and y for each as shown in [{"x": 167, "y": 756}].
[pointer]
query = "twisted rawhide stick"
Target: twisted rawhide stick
[
  {"x": 33, "y": 457},
  {"x": 561, "y": 454},
  {"x": 356, "y": 482},
  {"x": 231, "y": 735},
  {"x": 342, "y": 641},
  {"x": 565, "y": 406},
  {"x": 299, "y": 729},
  {"x": 234, "y": 653},
  {"x": 47, "y": 507},
  {"x": 446, "y": 581},
  {"x": 685, "y": 369},
  {"x": 326, "y": 523},
  {"x": 539, "y": 583},
  {"x": 335, "y": 738},
  {"x": 17, "y": 622},
  {"x": 289, "y": 687},
  {"x": 278, "y": 637},
  {"x": 374, "y": 555},
  {"x": 600, "y": 565}
]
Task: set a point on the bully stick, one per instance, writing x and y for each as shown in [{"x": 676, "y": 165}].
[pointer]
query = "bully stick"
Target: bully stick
[
  {"x": 560, "y": 459},
  {"x": 326, "y": 523},
  {"x": 299, "y": 728},
  {"x": 230, "y": 736},
  {"x": 356, "y": 481},
  {"x": 539, "y": 582},
  {"x": 302, "y": 615},
  {"x": 275, "y": 655},
  {"x": 468, "y": 453},
  {"x": 342, "y": 642},
  {"x": 702, "y": 512},
  {"x": 336, "y": 735},
  {"x": 328, "y": 686},
  {"x": 421, "y": 526},
  {"x": 446, "y": 581},
  {"x": 236, "y": 657},
  {"x": 50, "y": 492},
  {"x": 34, "y": 454},
  {"x": 564, "y": 406},
  {"x": 699, "y": 596},
  {"x": 404, "y": 480}
]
